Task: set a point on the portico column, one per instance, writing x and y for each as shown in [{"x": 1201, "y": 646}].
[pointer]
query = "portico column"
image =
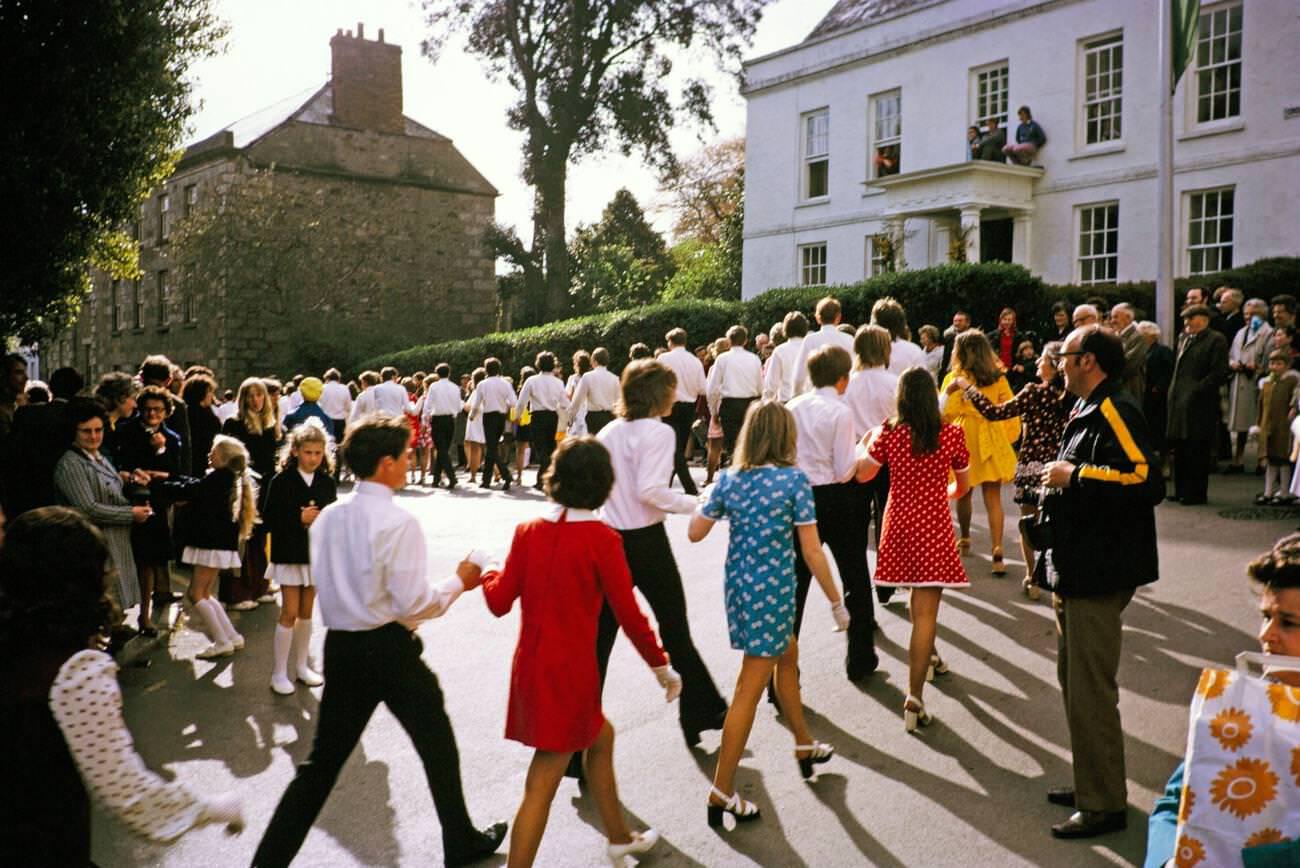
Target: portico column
[
  {"x": 970, "y": 228},
  {"x": 1022, "y": 248}
]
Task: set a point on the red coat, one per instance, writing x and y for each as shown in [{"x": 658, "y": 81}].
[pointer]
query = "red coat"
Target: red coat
[{"x": 563, "y": 571}]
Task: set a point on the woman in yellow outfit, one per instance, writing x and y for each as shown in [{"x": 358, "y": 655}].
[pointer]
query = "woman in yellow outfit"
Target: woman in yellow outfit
[{"x": 992, "y": 458}]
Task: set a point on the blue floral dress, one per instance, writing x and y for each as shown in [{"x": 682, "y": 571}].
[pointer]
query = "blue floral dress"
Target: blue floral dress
[{"x": 762, "y": 505}]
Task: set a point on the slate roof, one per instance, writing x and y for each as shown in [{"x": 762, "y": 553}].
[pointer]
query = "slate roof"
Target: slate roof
[{"x": 848, "y": 14}]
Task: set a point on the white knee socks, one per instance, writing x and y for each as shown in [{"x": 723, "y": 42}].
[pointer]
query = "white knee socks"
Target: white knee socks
[
  {"x": 301, "y": 641},
  {"x": 217, "y": 616},
  {"x": 280, "y": 680}
]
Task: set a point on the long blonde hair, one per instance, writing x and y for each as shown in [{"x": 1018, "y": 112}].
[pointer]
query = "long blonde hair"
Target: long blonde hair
[
  {"x": 256, "y": 423},
  {"x": 229, "y": 454},
  {"x": 767, "y": 437},
  {"x": 309, "y": 431},
  {"x": 973, "y": 355}
]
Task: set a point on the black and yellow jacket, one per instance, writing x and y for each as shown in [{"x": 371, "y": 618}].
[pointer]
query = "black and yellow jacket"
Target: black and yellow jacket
[{"x": 1103, "y": 524}]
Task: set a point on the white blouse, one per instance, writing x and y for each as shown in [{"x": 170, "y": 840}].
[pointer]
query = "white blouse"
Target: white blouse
[{"x": 87, "y": 705}]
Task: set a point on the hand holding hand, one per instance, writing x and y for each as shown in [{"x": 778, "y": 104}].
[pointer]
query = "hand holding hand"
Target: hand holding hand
[
  {"x": 158, "y": 441},
  {"x": 141, "y": 477},
  {"x": 670, "y": 681},
  {"x": 1058, "y": 474},
  {"x": 841, "y": 616},
  {"x": 961, "y": 383},
  {"x": 140, "y": 514},
  {"x": 470, "y": 574}
]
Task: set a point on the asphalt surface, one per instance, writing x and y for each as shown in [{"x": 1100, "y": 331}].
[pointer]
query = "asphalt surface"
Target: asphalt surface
[{"x": 969, "y": 790}]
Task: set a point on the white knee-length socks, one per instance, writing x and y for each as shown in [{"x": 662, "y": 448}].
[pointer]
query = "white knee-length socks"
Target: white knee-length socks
[
  {"x": 301, "y": 666},
  {"x": 280, "y": 680}
]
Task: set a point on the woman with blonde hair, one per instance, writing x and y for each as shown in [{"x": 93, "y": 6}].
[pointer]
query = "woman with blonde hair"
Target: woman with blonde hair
[
  {"x": 992, "y": 458},
  {"x": 767, "y": 500},
  {"x": 255, "y": 425}
]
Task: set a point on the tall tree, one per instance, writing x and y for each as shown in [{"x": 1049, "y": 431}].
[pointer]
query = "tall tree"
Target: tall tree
[
  {"x": 94, "y": 102},
  {"x": 621, "y": 261},
  {"x": 700, "y": 191},
  {"x": 588, "y": 74}
]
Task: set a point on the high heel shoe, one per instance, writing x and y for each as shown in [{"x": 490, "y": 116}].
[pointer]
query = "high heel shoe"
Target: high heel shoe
[
  {"x": 936, "y": 667},
  {"x": 1032, "y": 590},
  {"x": 914, "y": 714},
  {"x": 641, "y": 842},
  {"x": 733, "y": 804},
  {"x": 963, "y": 545},
  {"x": 999, "y": 568},
  {"x": 818, "y": 752}
]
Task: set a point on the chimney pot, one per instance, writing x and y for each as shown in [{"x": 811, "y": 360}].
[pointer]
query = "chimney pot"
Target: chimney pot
[
  {"x": 381, "y": 34},
  {"x": 340, "y": 33},
  {"x": 361, "y": 30}
]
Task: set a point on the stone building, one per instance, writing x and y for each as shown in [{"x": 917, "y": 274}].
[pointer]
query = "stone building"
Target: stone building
[
  {"x": 859, "y": 132},
  {"x": 406, "y": 265}
]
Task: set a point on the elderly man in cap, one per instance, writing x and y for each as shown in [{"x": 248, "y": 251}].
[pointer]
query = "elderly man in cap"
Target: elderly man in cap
[{"x": 1200, "y": 368}]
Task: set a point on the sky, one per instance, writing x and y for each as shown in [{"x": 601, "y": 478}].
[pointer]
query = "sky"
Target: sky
[{"x": 278, "y": 48}]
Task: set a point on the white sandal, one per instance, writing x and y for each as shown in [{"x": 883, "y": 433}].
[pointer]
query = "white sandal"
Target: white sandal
[
  {"x": 914, "y": 717},
  {"x": 818, "y": 752},
  {"x": 641, "y": 842},
  {"x": 733, "y": 804}
]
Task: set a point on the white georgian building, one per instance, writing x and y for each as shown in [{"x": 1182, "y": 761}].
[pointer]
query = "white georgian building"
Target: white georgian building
[{"x": 905, "y": 78}]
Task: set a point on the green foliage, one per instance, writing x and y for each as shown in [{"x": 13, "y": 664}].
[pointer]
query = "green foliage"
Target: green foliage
[
  {"x": 96, "y": 100},
  {"x": 703, "y": 271},
  {"x": 930, "y": 296},
  {"x": 620, "y": 261}
]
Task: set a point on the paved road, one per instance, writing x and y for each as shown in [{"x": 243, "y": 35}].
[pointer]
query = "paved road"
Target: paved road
[{"x": 968, "y": 791}]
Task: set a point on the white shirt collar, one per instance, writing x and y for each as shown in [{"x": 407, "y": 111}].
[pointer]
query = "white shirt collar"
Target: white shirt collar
[
  {"x": 829, "y": 393},
  {"x": 374, "y": 489},
  {"x": 556, "y": 510}
]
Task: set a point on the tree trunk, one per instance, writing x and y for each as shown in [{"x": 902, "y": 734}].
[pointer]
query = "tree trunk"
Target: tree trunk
[{"x": 549, "y": 212}]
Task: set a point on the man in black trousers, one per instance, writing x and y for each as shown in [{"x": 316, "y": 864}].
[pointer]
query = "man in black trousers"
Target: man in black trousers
[
  {"x": 493, "y": 398},
  {"x": 690, "y": 385},
  {"x": 1199, "y": 370},
  {"x": 371, "y": 602}
]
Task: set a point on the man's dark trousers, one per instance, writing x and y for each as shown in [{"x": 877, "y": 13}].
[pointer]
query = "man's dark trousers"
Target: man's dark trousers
[
  {"x": 597, "y": 419},
  {"x": 544, "y": 425},
  {"x": 494, "y": 425},
  {"x": 681, "y": 420},
  {"x": 363, "y": 669},
  {"x": 442, "y": 428},
  {"x": 731, "y": 416},
  {"x": 1192, "y": 462}
]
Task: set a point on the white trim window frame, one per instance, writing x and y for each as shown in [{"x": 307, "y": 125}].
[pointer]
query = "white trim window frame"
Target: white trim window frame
[
  {"x": 875, "y": 260},
  {"x": 815, "y": 145},
  {"x": 163, "y": 299},
  {"x": 812, "y": 264},
  {"x": 164, "y": 217},
  {"x": 137, "y": 305},
  {"x": 990, "y": 86},
  {"x": 1101, "y": 69},
  {"x": 1210, "y": 230},
  {"x": 115, "y": 310},
  {"x": 1215, "y": 94},
  {"x": 886, "y": 146},
  {"x": 1098, "y": 260}
]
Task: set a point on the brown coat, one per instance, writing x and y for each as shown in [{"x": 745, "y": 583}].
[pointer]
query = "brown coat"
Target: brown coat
[{"x": 1276, "y": 397}]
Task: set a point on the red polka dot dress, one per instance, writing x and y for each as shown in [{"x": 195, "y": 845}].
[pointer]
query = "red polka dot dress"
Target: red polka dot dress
[{"x": 917, "y": 545}]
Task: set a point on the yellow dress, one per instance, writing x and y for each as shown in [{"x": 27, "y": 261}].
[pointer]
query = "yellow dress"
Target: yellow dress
[{"x": 992, "y": 458}]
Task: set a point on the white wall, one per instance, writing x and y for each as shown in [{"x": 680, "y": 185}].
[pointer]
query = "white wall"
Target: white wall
[{"x": 1260, "y": 153}]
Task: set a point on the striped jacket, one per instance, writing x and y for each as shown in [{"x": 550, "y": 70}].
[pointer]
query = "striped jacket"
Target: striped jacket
[
  {"x": 94, "y": 489},
  {"x": 1103, "y": 523}
]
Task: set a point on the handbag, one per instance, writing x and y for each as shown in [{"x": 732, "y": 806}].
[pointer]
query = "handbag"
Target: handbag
[
  {"x": 1037, "y": 528},
  {"x": 1241, "y": 775}
]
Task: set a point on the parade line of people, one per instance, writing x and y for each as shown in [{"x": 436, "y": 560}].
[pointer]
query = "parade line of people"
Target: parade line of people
[{"x": 824, "y": 433}]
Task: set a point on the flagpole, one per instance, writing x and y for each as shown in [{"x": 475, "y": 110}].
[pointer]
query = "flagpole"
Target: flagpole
[{"x": 1165, "y": 307}]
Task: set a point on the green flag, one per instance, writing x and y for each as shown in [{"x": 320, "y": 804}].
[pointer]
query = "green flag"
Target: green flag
[{"x": 1186, "y": 15}]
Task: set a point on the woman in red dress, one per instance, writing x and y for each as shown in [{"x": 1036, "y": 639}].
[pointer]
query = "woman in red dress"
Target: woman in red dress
[
  {"x": 562, "y": 568},
  {"x": 917, "y": 546}
]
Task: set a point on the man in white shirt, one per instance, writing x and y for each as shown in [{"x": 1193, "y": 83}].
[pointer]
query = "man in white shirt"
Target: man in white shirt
[
  {"x": 828, "y": 317},
  {"x": 493, "y": 398},
  {"x": 735, "y": 382},
  {"x": 889, "y": 314},
  {"x": 290, "y": 399},
  {"x": 336, "y": 401},
  {"x": 641, "y": 450},
  {"x": 368, "y": 563},
  {"x": 442, "y": 402},
  {"x": 228, "y": 408},
  {"x": 778, "y": 379},
  {"x": 690, "y": 384},
  {"x": 828, "y": 455},
  {"x": 598, "y": 389},
  {"x": 390, "y": 396},
  {"x": 365, "y": 402},
  {"x": 543, "y": 393}
]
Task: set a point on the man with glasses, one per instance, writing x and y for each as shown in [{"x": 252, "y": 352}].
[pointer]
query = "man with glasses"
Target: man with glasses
[{"x": 1099, "y": 506}]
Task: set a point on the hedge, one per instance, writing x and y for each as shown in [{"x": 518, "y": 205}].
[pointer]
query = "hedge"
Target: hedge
[{"x": 930, "y": 296}]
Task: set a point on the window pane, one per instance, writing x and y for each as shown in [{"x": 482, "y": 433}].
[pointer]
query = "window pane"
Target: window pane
[{"x": 817, "y": 178}]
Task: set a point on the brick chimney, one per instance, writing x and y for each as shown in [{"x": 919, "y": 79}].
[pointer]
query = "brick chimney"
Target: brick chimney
[{"x": 367, "y": 80}]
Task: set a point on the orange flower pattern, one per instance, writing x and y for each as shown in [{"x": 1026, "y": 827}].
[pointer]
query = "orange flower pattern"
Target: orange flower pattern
[
  {"x": 1285, "y": 701},
  {"x": 1186, "y": 803},
  {"x": 1232, "y": 727},
  {"x": 1213, "y": 682},
  {"x": 1265, "y": 836},
  {"x": 1190, "y": 852},
  {"x": 1244, "y": 788},
  {"x": 1295, "y": 765}
]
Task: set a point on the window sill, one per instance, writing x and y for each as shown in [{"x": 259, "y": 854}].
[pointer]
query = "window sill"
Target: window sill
[
  {"x": 137, "y": 331},
  {"x": 1235, "y": 125},
  {"x": 868, "y": 189},
  {"x": 812, "y": 203},
  {"x": 1097, "y": 151}
]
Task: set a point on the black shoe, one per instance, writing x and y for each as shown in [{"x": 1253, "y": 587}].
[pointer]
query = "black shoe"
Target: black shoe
[
  {"x": 692, "y": 732},
  {"x": 1063, "y": 796},
  {"x": 884, "y": 595},
  {"x": 166, "y": 598},
  {"x": 860, "y": 659},
  {"x": 1089, "y": 824},
  {"x": 489, "y": 840},
  {"x": 505, "y": 486}
]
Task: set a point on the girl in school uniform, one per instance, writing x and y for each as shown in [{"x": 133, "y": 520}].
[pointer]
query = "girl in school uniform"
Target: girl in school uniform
[
  {"x": 562, "y": 567},
  {"x": 767, "y": 500},
  {"x": 296, "y": 495},
  {"x": 223, "y": 509},
  {"x": 474, "y": 435}
]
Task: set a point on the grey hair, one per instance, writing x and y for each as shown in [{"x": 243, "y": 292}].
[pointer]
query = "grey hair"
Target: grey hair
[
  {"x": 1255, "y": 303},
  {"x": 1090, "y": 307},
  {"x": 1147, "y": 327}
]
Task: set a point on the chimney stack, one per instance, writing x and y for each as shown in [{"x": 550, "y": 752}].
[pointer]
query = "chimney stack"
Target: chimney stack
[{"x": 366, "y": 78}]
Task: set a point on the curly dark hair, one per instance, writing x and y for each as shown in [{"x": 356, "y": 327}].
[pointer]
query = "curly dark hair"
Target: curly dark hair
[
  {"x": 581, "y": 473},
  {"x": 1279, "y": 568},
  {"x": 53, "y": 570}
]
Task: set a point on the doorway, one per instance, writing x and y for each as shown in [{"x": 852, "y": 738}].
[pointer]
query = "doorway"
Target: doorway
[{"x": 995, "y": 240}]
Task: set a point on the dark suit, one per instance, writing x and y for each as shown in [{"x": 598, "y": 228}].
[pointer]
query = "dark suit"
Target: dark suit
[
  {"x": 1158, "y": 373},
  {"x": 39, "y": 437},
  {"x": 1200, "y": 369}
]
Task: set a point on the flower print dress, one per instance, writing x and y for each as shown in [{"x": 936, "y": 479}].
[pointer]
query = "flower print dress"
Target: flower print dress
[{"x": 762, "y": 505}]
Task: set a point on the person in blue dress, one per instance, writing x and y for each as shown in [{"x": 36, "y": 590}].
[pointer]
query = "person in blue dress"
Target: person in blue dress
[{"x": 767, "y": 499}]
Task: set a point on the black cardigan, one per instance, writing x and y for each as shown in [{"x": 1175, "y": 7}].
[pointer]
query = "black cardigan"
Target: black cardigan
[
  {"x": 287, "y": 494},
  {"x": 208, "y": 524}
]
